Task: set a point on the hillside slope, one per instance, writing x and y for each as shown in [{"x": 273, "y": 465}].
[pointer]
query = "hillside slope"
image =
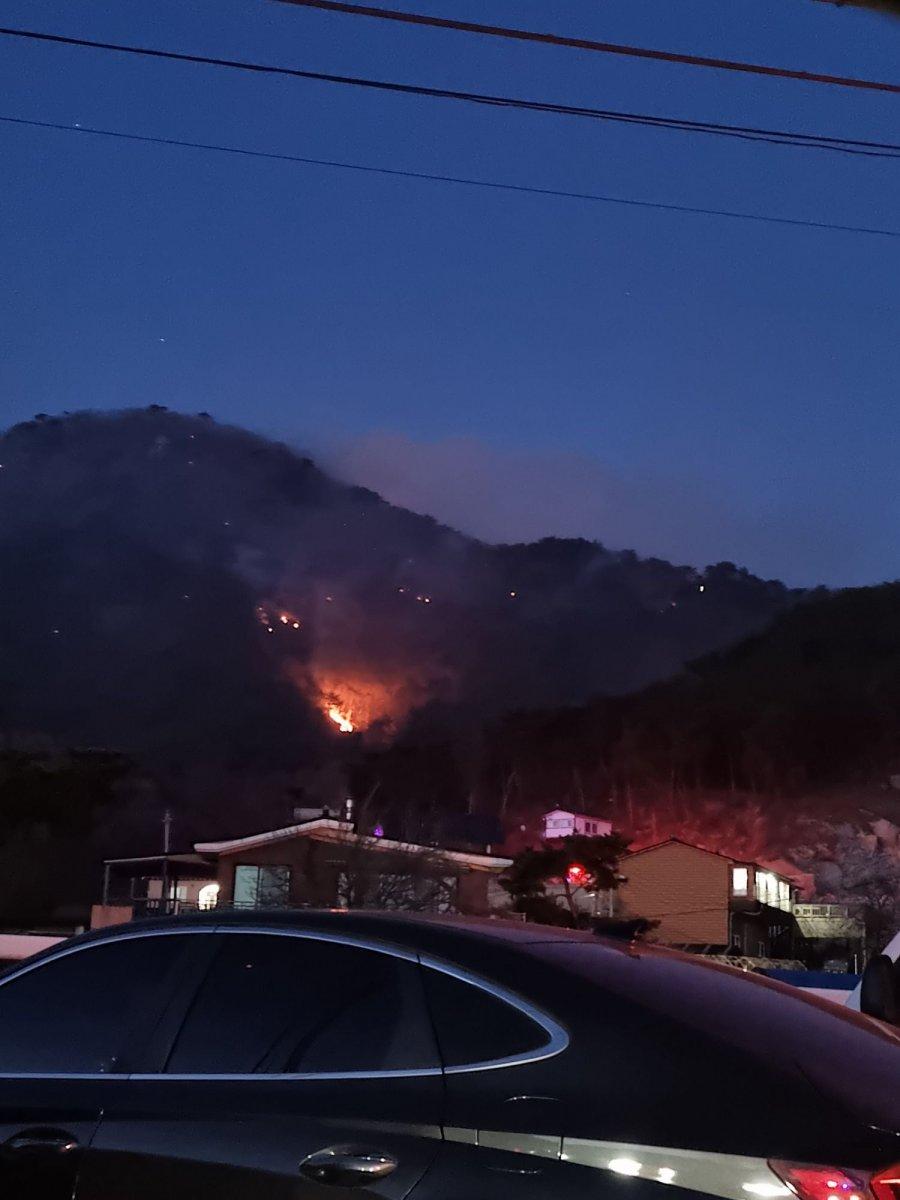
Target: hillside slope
[
  {"x": 182, "y": 589},
  {"x": 801, "y": 721}
]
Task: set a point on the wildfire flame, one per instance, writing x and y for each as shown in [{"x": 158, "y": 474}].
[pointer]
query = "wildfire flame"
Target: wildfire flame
[
  {"x": 361, "y": 700},
  {"x": 341, "y": 719}
]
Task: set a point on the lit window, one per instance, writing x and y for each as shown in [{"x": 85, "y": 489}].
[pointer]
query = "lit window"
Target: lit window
[
  {"x": 766, "y": 887},
  {"x": 739, "y": 881},
  {"x": 261, "y": 887},
  {"x": 208, "y": 896}
]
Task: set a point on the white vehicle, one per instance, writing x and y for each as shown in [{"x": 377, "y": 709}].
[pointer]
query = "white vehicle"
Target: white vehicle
[{"x": 872, "y": 980}]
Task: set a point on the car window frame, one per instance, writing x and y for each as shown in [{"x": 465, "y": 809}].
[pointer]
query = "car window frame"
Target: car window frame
[
  {"x": 556, "y": 1034},
  {"x": 225, "y": 931},
  {"x": 169, "y": 1017}
]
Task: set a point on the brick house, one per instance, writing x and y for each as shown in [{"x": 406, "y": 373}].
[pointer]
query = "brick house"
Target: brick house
[{"x": 709, "y": 902}]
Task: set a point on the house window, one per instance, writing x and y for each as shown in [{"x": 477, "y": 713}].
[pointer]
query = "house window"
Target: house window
[
  {"x": 739, "y": 880},
  {"x": 784, "y": 895},
  {"x": 414, "y": 891},
  {"x": 766, "y": 888},
  {"x": 208, "y": 896},
  {"x": 261, "y": 887}
]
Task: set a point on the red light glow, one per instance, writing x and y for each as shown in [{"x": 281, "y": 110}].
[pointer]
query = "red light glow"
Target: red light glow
[
  {"x": 576, "y": 875},
  {"x": 827, "y": 1183},
  {"x": 886, "y": 1184}
]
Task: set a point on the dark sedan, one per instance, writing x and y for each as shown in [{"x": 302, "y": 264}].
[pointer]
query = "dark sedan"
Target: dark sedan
[{"x": 307, "y": 1056}]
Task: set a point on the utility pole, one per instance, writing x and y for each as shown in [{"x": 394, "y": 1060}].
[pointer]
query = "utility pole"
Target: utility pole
[{"x": 167, "y": 845}]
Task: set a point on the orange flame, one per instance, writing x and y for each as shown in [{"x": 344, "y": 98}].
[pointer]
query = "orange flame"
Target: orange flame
[{"x": 341, "y": 719}]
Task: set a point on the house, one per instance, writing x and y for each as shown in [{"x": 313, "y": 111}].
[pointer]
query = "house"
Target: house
[
  {"x": 709, "y": 902},
  {"x": 322, "y": 863},
  {"x": 154, "y": 885},
  {"x": 560, "y": 823},
  {"x": 834, "y": 941}
]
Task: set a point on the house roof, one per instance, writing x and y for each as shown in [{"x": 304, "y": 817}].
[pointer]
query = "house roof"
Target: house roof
[
  {"x": 680, "y": 842},
  {"x": 190, "y": 859},
  {"x": 831, "y": 927},
  {"x": 739, "y": 862},
  {"x": 327, "y": 830},
  {"x": 570, "y": 812}
]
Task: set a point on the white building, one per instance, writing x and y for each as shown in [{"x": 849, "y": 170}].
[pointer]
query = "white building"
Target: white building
[{"x": 560, "y": 823}]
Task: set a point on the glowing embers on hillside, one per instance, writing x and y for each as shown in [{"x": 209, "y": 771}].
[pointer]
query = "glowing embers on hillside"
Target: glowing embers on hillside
[{"x": 271, "y": 617}]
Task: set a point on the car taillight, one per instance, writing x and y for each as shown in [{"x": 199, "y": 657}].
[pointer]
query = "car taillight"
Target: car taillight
[
  {"x": 837, "y": 1183},
  {"x": 886, "y": 1184}
]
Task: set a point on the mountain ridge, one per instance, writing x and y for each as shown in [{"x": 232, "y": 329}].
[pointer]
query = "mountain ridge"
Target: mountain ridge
[{"x": 167, "y": 547}]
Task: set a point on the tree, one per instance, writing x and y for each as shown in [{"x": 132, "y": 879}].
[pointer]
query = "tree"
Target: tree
[
  {"x": 586, "y": 864},
  {"x": 414, "y": 879},
  {"x": 61, "y": 811},
  {"x": 891, "y": 6},
  {"x": 862, "y": 871}
]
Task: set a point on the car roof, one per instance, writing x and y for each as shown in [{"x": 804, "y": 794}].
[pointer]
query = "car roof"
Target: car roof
[{"x": 406, "y": 929}]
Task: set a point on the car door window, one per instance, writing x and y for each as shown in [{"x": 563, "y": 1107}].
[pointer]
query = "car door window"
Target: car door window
[
  {"x": 280, "y": 1004},
  {"x": 475, "y": 1026},
  {"x": 74, "y": 1013}
]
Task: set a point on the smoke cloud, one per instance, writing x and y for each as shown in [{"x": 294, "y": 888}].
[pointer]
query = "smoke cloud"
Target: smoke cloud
[{"x": 519, "y": 496}]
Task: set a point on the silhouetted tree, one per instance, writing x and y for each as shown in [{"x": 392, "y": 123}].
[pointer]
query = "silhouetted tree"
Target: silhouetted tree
[{"x": 582, "y": 863}]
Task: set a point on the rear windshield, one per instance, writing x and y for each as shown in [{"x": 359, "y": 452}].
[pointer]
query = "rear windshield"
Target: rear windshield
[{"x": 842, "y": 1053}]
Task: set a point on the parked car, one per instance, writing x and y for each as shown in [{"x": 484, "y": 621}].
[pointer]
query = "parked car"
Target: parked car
[
  {"x": 878, "y": 991},
  {"x": 302, "y": 1056}
]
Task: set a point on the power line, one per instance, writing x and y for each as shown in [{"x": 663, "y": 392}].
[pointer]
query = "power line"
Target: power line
[
  {"x": 558, "y": 193},
  {"x": 779, "y": 137},
  {"x": 554, "y": 39}
]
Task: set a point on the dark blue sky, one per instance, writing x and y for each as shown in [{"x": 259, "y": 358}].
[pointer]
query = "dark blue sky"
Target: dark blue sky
[{"x": 693, "y": 387}]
